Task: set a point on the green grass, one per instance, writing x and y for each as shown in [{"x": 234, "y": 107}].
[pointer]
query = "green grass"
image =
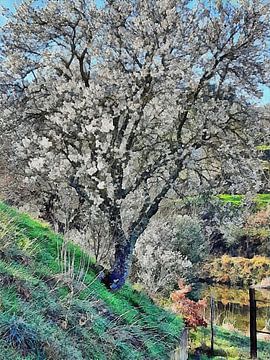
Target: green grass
[
  {"x": 228, "y": 345},
  {"x": 261, "y": 200},
  {"x": 263, "y": 147},
  {"x": 45, "y": 315}
]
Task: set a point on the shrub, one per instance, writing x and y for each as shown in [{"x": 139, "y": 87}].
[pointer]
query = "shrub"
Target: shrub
[
  {"x": 22, "y": 336},
  {"x": 192, "y": 311},
  {"x": 168, "y": 250}
]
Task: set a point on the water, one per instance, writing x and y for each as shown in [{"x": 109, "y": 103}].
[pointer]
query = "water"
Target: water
[{"x": 232, "y": 308}]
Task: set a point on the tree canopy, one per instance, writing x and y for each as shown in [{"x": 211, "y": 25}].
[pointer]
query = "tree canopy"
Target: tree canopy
[{"x": 110, "y": 108}]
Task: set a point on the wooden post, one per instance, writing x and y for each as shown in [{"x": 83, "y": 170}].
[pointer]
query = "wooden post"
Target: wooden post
[
  {"x": 253, "y": 324},
  {"x": 181, "y": 353},
  {"x": 212, "y": 319}
]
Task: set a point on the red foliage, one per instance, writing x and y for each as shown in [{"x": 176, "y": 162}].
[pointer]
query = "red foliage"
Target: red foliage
[{"x": 192, "y": 311}]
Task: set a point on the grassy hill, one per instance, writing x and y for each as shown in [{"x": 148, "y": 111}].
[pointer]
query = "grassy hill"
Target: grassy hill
[{"x": 52, "y": 306}]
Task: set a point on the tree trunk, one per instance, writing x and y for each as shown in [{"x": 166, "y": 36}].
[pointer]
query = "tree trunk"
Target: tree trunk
[
  {"x": 119, "y": 272},
  {"x": 116, "y": 277}
]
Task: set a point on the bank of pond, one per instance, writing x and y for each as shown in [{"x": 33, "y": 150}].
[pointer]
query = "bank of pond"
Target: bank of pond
[
  {"x": 231, "y": 308},
  {"x": 231, "y": 323}
]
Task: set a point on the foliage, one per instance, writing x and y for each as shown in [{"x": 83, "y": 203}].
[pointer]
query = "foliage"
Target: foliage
[
  {"x": 221, "y": 222},
  {"x": 45, "y": 313},
  {"x": 234, "y": 225},
  {"x": 251, "y": 237},
  {"x": 190, "y": 240},
  {"x": 116, "y": 105},
  {"x": 191, "y": 310},
  {"x": 257, "y": 231},
  {"x": 247, "y": 235},
  {"x": 237, "y": 270},
  {"x": 260, "y": 218},
  {"x": 172, "y": 247}
]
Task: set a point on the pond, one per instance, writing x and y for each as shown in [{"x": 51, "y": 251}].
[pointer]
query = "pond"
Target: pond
[{"x": 232, "y": 308}]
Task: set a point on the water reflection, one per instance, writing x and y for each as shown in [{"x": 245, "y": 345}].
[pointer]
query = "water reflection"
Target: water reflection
[{"x": 232, "y": 308}]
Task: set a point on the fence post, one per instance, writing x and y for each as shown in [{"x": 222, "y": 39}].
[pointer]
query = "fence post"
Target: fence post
[
  {"x": 212, "y": 309},
  {"x": 253, "y": 324},
  {"x": 181, "y": 353}
]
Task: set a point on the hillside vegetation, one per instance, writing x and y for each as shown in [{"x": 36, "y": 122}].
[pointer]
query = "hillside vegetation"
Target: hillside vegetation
[{"x": 52, "y": 306}]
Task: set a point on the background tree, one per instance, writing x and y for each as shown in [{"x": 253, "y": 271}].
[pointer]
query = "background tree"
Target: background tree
[
  {"x": 171, "y": 248},
  {"x": 122, "y": 104}
]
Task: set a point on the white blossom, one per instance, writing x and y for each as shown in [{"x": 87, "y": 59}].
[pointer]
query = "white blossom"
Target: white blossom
[{"x": 141, "y": 98}]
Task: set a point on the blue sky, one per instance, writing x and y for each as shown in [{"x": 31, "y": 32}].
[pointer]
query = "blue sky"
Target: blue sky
[
  {"x": 11, "y": 3},
  {"x": 266, "y": 95}
]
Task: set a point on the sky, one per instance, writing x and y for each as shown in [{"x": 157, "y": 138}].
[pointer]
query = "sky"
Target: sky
[{"x": 11, "y": 3}]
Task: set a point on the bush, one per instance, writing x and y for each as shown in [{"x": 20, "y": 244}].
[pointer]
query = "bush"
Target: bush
[
  {"x": 168, "y": 250},
  {"x": 192, "y": 311}
]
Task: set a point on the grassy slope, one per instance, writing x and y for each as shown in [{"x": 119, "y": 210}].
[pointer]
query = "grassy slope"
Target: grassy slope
[{"x": 45, "y": 315}]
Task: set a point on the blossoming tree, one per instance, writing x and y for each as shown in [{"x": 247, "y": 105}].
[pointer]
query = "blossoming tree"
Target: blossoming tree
[{"x": 118, "y": 104}]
